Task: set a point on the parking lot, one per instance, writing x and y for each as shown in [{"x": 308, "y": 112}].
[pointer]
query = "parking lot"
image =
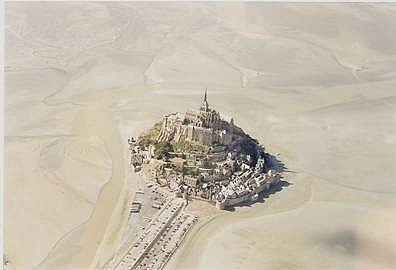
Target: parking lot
[
  {"x": 141, "y": 247},
  {"x": 137, "y": 222},
  {"x": 165, "y": 246}
]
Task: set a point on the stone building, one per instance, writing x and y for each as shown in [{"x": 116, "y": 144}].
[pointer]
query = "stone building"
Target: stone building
[{"x": 204, "y": 126}]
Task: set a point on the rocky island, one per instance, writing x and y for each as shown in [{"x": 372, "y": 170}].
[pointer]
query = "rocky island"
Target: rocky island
[{"x": 200, "y": 155}]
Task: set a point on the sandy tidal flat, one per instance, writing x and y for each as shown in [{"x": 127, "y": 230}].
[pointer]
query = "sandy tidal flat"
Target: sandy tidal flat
[{"x": 314, "y": 83}]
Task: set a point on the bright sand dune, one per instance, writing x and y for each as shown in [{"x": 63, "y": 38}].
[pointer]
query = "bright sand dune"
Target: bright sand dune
[{"x": 314, "y": 83}]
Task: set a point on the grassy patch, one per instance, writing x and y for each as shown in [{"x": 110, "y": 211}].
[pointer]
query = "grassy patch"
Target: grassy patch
[
  {"x": 150, "y": 136},
  {"x": 185, "y": 146}
]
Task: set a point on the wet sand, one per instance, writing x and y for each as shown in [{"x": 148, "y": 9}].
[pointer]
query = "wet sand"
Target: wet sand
[
  {"x": 313, "y": 83},
  {"x": 111, "y": 202}
]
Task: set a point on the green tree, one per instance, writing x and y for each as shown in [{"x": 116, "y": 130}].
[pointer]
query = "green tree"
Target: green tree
[
  {"x": 233, "y": 166},
  {"x": 206, "y": 163},
  {"x": 162, "y": 150}
]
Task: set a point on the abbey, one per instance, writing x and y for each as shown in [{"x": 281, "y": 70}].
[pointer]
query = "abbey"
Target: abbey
[
  {"x": 199, "y": 155},
  {"x": 203, "y": 126}
]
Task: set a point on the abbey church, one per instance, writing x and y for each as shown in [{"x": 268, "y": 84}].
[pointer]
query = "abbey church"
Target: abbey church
[{"x": 204, "y": 126}]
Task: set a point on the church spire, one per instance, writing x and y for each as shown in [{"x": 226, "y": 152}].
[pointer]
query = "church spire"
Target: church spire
[{"x": 205, "y": 104}]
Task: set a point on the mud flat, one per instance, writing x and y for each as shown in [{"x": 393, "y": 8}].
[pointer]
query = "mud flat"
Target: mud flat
[
  {"x": 94, "y": 238},
  {"x": 314, "y": 83}
]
